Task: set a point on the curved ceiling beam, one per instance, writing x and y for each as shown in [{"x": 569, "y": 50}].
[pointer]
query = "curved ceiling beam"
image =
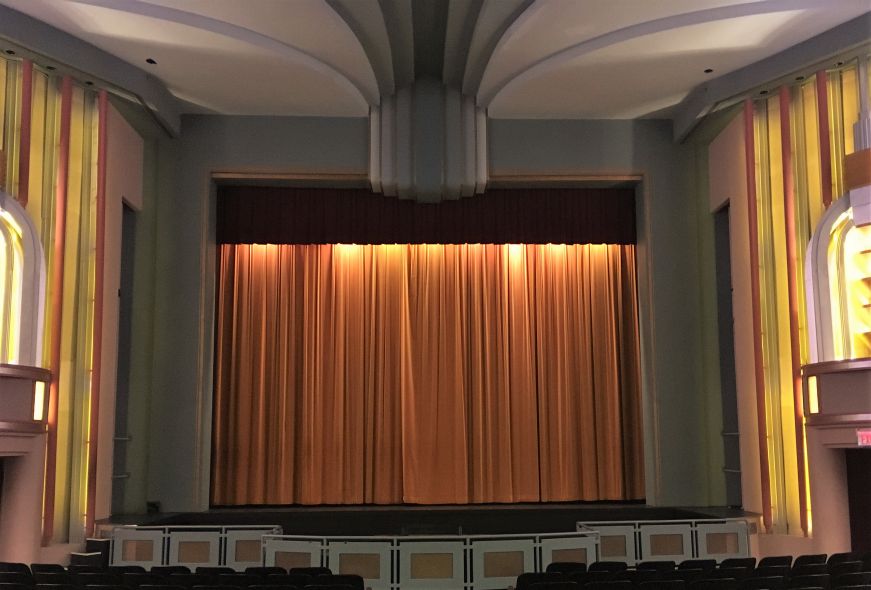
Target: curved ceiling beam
[
  {"x": 494, "y": 22},
  {"x": 355, "y": 86},
  {"x": 805, "y": 58},
  {"x": 366, "y": 21},
  {"x": 400, "y": 31},
  {"x": 659, "y": 25},
  {"x": 461, "y": 22}
]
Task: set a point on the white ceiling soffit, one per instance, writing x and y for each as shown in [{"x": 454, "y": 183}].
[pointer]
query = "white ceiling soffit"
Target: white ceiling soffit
[
  {"x": 626, "y": 59},
  {"x": 283, "y": 58}
]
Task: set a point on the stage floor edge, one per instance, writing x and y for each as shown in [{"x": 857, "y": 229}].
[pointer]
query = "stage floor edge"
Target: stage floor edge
[{"x": 374, "y": 520}]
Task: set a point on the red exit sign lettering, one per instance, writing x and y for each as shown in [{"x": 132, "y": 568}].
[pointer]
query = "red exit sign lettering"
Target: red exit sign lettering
[{"x": 863, "y": 436}]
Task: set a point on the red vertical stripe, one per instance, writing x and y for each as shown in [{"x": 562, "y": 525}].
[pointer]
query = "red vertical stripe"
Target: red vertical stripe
[
  {"x": 825, "y": 139},
  {"x": 97, "y": 364},
  {"x": 57, "y": 283},
  {"x": 24, "y": 143},
  {"x": 792, "y": 280},
  {"x": 761, "y": 417}
]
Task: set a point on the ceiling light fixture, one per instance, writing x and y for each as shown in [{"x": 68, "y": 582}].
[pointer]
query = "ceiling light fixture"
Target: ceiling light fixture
[
  {"x": 708, "y": 71},
  {"x": 151, "y": 61}
]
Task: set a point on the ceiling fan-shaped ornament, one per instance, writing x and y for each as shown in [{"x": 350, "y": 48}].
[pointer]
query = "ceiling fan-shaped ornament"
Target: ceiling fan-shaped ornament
[{"x": 428, "y": 142}]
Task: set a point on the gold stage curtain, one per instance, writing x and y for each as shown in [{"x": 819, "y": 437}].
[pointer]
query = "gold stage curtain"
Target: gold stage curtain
[{"x": 426, "y": 374}]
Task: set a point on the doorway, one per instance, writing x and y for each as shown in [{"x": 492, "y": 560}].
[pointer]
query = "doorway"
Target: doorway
[{"x": 859, "y": 497}]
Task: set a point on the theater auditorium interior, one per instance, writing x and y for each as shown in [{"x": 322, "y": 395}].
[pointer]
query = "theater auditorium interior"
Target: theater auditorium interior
[{"x": 435, "y": 294}]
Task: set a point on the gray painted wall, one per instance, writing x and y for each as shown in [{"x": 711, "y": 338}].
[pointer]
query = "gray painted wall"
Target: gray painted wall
[
  {"x": 683, "y": 462},
  {"x": 673, "y": 282}
]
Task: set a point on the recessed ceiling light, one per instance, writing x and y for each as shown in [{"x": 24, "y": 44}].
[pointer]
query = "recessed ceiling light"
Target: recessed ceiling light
[
  {"x": 708, "y": 71},
  {"x": 10, "y": 52},
  {"x": 151, "y": 61}
]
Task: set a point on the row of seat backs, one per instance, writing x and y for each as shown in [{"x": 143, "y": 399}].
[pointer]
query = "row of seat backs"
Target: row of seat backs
[
  {"x": 673, "y": 585},
  {"x": 311, "y": 584},
  {"x": 137, "y": 579},
  {"x": 205, "y": 577},
  {"x": 691, "y": 575},
  {"x": 157, "y": 569},
  {"x": 711, "y": 564}
]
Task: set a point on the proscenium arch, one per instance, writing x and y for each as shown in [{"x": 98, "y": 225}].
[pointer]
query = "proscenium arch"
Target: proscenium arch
[{"x": 15, "y": 224}]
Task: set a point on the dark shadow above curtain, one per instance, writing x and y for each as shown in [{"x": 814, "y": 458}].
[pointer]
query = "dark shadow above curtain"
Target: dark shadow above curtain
[{"x": 288, "y": 215}]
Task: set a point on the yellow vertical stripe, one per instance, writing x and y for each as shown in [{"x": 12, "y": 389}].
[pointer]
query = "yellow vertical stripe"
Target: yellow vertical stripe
[
  {"x": 806, "y": 173},
  {"x": 78, "y": 289}
]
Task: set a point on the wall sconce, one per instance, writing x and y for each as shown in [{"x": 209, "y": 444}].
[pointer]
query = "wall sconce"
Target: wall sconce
[
  {"x": 24, "y": 398},
  {"x": 40, "y": 401}
]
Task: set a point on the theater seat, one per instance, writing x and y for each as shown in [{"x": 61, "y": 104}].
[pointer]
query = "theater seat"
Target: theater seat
[
  {"x": 353, "y": 581},
  {"x": 14, "y": 567},
  {"x": 166, "y": 570},
  {"x": 663, "y": 585},
  {"x": 16, "y": 578},
  {"x": 815, "y": 581},
  {"x": 265, "y": 571},
  {"x": 556, "y": 586},
  {"x": 311, "y": 571},
  {"x": 775, "y": 560},
  {"x": 566, "y": 567},
  {"x": 764, "y": 583},
  {"x": 698, "y": 564},
  {"x": 526, "y": 580},
  {"x": 607, "y": 566},
  {"x": 815, "y": 558},
  {"x": 44, "y": 568}
]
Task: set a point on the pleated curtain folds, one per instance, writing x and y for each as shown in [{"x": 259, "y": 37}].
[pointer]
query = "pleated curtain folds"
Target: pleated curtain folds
[{"x": 426, "y": 374}]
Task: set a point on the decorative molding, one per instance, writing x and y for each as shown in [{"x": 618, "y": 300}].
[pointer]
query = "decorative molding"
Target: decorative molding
[{"x": 428, "y": 142}]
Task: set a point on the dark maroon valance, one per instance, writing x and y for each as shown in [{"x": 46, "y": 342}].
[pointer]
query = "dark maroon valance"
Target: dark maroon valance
[{"x": 288, "y": 215}]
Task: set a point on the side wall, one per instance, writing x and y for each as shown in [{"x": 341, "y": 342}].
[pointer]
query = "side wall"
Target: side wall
[{"x": 123, "y": 184}]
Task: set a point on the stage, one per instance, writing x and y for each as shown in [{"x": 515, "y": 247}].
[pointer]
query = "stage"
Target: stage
[{"x": 374, "y": 520}]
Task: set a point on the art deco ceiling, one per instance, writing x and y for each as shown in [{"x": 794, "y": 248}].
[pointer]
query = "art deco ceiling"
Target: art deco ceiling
[{"x": 519, "y": 58}]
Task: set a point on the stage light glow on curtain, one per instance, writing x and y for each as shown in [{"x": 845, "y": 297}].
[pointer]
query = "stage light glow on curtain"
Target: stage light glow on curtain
[{"x": 350, "y": 374}]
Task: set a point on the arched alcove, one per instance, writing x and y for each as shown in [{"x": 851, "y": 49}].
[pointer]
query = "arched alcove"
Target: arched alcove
[
  {"x": 22, "y": 291},
  {"x": 837, "y": 382},
  {"x": 23, "y": 383}
]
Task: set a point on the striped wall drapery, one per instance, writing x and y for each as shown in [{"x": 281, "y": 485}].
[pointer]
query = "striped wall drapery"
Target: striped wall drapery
[
  {"x": 429, "y": 374},
  {"x": 796, "y": 146},
  {"x": 49, "y": 137}
]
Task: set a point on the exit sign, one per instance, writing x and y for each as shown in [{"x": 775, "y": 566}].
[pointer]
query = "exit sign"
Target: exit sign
[{"x": 863, "y": 436}]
